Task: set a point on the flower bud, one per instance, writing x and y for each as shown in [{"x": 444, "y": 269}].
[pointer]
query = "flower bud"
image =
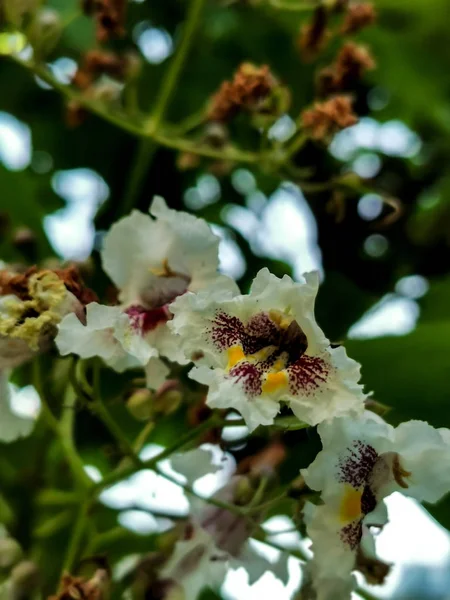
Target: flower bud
[
  {"x": 10, "y": 553},
  {"x": 24, "y": 580},
  {"x": 106, "y": 90},
  {"x": 140, "y": 404},
  {"x": 44, "y": 31},
  {"x": 168, "y": 401}
]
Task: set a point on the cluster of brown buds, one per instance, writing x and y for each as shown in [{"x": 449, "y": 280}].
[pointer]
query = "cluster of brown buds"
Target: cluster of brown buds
[
  {"x": 101, "y": 76},
  {"x": 253, "y": 90},
  {"x": 109, "y": 17},
  {"x": 315, "y": 35},
  {"x": 336, "y": 81}
]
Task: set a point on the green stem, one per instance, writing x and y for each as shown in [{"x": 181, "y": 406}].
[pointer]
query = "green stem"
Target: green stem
[
  {"x": 73, "y": 459},
  {"x": 100, "y": 410},
  {"x": 176, "y": 65},
  {"x": 146, "y": 148},
  {"x": 77, "y": 537},
  {"x": 139, "y": 128},
  {"x": 290, "y": 6},
  {"x": 297, "y": 143},
  {"x": 151, "y": 463}
]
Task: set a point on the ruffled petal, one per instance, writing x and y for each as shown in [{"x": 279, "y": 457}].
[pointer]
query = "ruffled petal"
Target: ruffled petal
[
  {"x": 12, "y": 426},
  {"x": 269, "y": 345},
  {"x": 156, "y": 373}
]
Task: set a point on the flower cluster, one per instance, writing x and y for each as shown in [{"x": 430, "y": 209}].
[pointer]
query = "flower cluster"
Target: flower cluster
[{"x": 261, "y": 353}]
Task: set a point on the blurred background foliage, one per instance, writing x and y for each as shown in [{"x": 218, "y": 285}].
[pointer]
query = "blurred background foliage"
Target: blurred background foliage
[{"x": 372, "y": 254}]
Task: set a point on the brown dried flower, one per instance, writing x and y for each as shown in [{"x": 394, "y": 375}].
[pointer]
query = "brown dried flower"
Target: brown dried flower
[
  {"x": 96, "y": 63},
  {"x": 327, "y": 118},
  {"x": 77, "y": 588},
  {"x": 251, "y": 85},
  {"x": 75, "y": 284},
  {"x": 359, "y": 15},
  {"x": 109, "y": 16},
  {"x": 315, "y": 35},
  {"x": 350, "y": 65},
  {"x": 17, "y": 284}
]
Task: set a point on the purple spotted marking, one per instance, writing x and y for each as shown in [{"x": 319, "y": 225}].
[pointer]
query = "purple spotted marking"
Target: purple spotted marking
[
  {"x": 351, "y": 534},
  {"x": 357, "y": 464},
  {"x": 249, "y": 376},
  {"x": 308, "y": 374},
  {"x": 143, "y": 320}
]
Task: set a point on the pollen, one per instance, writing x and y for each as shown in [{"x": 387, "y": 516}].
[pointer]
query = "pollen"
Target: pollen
[
  {"x": 350, "y": 509},
  {"x": 275, "y": 381},
  {"x": 235, "y": 355},
  {"x": 280, "y": 319}
]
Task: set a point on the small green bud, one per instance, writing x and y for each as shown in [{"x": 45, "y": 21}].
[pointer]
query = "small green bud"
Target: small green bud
[
  {"x": 167, "y": 402},
  {"x": 140, "y": 405},
  {"x": 106, "y": 90},
  {"x": 45, "y": 31},
  {"x": 10, "y": 553}
]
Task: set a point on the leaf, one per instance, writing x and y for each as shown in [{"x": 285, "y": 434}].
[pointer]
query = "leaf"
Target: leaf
[{"x": 409, "y": 373}]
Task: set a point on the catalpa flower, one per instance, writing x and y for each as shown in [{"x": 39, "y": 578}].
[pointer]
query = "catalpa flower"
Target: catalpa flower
[
  {"x": 264, "y": 348},
  {"x": 31, "y": 306},
  {"x": 151, "y": 259},
  {"x": 214, "y": 539},
  {"x": 362, "y": 462}
]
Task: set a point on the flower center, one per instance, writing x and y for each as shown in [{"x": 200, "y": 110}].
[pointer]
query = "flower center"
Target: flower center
[
  {"x": 165, "y": 286},
  {"x": 144, "y": 320},
  {"x": 270, "y": 342}
]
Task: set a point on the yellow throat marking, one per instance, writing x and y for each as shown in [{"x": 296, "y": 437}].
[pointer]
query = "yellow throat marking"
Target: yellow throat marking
[{"x": 350, "y": 508}]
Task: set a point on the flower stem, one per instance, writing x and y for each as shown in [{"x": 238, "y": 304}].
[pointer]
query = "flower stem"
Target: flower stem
[
  {"x": 77, "y": 536},
  {"x": 294, "y": 7},
  {"x": 174, "y": 70},
  {"x": 62, "y": 433},
  {"x": 100, "y": 410},
  {"x": 146, "y": 148},
  {"x": 123, "y": 472}
]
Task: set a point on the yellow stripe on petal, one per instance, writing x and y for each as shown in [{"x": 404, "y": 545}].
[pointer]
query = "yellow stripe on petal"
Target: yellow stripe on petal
[
  {"x": 351, "y": 505},
  {"x": 274, "y": 382},
  {"x": 235, "y": 354}
]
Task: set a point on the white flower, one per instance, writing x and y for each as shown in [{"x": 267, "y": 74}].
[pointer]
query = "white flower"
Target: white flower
[
  {"x": 363, "y": 461},
  {"x": 260, "y": 349},
  {"x": 110, "y": 334},
  {"x": 215, "y": 539},
  {"x": 154, "y": 260},
  {"x": 151, "y": 259}
]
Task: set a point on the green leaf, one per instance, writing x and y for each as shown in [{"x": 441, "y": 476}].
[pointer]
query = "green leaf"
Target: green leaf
[{"x": 409, "y": 373}]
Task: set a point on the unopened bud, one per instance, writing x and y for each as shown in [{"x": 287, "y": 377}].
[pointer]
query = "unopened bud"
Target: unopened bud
[
  {"x": 167, "y": 402},
  {"x": 106, "y": 90},
  {"x": 10, "y": 553},
  {"x": 45, "y": 31},
  {"x": 24, "y": 579},
  {"x": 133, "y": 66},
  {"x": 244, "y": 491},
  {"x": 140, "y": 405},
  {"x": 215, "y": 135}
]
